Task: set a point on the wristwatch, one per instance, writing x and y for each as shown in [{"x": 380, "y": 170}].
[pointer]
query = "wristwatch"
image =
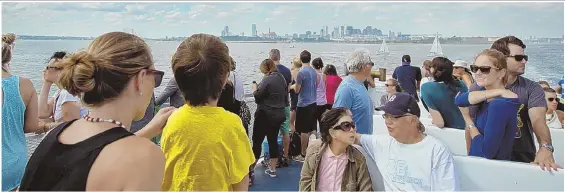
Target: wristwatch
[
  {"x": 547, "y": 146},
  {"x": 471, "y": 126}
]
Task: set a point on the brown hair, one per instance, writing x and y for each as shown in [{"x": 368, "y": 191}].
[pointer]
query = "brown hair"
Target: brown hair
[
  {"x": 396, "y": 85},
  {"x": 275, "y": 55},
  {"x": 9, "y": 38},
  {"x": 502, "y": 44},
  {"x": 7, "y": 41},
  {"x": 497, "y": 58},
  {"x": 549, "y": 90},
  {"x": 201, "y": 65},
  {"x": 102, "y": 72},
  {"x": 427, "y": 64},
  {"x": 267, "y": 66},
  {"x": 544, "y": 83}
]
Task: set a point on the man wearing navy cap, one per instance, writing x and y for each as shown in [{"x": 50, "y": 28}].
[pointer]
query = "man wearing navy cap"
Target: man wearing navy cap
[{"x": 407, "y": 158}]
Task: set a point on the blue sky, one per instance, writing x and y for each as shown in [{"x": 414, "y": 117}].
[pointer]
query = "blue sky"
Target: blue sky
[{"x": 155, "y": 20}]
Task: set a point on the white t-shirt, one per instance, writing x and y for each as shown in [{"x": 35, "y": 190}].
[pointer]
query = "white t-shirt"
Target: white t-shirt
[
  {"x": 238, "y": 86},
  {"x": 424, "y": 166},
  {"x": 62, "y": 96}
]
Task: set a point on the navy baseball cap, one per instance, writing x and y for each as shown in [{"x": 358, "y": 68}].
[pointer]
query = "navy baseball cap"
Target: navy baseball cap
[{"x": 400, "y": 104}]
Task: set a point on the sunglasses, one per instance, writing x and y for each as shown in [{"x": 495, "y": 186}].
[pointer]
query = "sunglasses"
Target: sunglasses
[
  {"x": 551, "y": 99},
  {"x": 389, "y": 85},
  {"x": 51, "y": 67},
  {"x": 392, "y": 117},
  {"x": 519, "y": 57},
  {"x": 484, "y": 69},
  {"x": 158, "y": 76},
  {"x": 345, "y": 126}
]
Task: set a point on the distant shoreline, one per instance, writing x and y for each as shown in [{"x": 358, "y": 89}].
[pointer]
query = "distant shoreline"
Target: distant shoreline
[{"x": 284, "y": 42}]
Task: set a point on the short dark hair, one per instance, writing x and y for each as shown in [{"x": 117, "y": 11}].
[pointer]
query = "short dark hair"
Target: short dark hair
[
  {"x": 305, "y": 57},
  {"x": 502, "y": 44},
  {"x": 58, "y": 55},
  {"x": 329, "y": 119},
  {"x": 201, "y": 65},
  {"x": 317, "y": 63},
  {"x": 330, "y": 70},
  {"x": 443, "y": 72},
  {"x": 406, "y": 58}
]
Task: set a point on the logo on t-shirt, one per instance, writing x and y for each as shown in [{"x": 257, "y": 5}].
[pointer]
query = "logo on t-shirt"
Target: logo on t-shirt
[
  {"x": 398, "y": 172},
  {"x": 392, "y": 98},
  {"x": 520, "y": 123}
]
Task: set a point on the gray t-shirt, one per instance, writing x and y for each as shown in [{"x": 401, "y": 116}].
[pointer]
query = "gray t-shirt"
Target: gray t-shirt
[
  {"x": 530, "y": 95},
  {"x": 306, "y": 78}
]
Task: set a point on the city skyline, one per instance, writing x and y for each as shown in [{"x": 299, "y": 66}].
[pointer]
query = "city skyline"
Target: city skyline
[{"x": 158, "y": 20}]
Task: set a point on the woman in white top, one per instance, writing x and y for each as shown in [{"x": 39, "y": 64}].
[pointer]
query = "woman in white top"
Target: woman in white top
[
  {"x": 461, "y": 72},
  {"x": 62, "y": 106},
  {"x": 426, "y": 73},
  {"x": 553, "y": 117},
  {"x": 407, "y": 158}
]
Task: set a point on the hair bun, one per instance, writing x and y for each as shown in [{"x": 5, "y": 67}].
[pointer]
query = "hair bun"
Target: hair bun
[
  {"x": 78, "y": 75},
  {"x": 9, "y": 38}
]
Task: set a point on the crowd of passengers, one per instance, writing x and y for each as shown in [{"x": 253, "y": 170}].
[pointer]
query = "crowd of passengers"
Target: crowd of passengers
[{"x": 103, "y": 123}]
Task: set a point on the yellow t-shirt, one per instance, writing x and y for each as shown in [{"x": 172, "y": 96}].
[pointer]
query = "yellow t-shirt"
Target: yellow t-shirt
[{"x": 206, "y": 149}]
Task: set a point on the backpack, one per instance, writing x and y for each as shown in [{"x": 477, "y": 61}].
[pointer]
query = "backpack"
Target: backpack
[{"x": 294, "y": 148}]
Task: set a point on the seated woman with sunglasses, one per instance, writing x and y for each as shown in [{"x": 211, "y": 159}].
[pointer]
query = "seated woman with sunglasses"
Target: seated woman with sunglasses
[
  {"x": 333, "y": 164},
  {"x": 115, "y": 78},
  {"x": 496, "y": 119},
  {"x": 439, "y": 95},
  {"x": 63, "y": 106},
  {"x": 407, "y": 158},
  {"x": 553, "y": 117}
]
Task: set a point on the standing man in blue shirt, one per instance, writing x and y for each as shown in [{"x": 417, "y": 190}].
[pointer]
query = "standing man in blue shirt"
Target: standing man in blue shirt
[
  {"x": 409, "y": 77},
  {"x": 306, "y": 84},
  {"x": 351, "y": 93}
]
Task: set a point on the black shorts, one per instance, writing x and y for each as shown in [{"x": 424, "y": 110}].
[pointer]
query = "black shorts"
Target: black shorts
[
  {"x": 306, "y": 118},
  {"x": 320, "y": 109}
]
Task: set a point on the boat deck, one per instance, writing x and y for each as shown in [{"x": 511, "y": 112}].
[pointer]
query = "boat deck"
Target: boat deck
[{"x": 287, "y": 179}]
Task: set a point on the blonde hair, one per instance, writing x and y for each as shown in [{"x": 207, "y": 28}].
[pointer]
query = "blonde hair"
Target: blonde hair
[
  {"x": 102, "y": 72},
  {"x": 498, "y": 59},
  {"x": 296, "y": 62}
]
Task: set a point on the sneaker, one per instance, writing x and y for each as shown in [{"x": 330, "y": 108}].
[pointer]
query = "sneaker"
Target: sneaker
[
  {"x": 271, "y": 173},
  {"x": 284, "y": 162},
  {"x": 299, "y": 158}
]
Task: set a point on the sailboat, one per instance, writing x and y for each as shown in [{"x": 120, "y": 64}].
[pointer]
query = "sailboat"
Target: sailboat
[
  {"x": 436, "y": 48},
  {"x": 384, "y": 49}
]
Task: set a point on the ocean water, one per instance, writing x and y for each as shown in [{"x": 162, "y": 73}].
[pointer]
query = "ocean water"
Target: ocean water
[{"x": 545, "y": 60}]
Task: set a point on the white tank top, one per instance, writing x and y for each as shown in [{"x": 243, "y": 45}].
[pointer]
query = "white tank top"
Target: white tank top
[{"x": 552, "y": 121}]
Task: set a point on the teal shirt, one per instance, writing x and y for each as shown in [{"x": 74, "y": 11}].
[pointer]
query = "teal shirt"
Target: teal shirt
[{"x": 439, "y": 97}]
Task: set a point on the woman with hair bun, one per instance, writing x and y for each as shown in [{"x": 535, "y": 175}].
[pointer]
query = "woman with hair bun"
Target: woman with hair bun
[
  {"x": 114, "y": 78},
  {"x": 19, "y": 116}
]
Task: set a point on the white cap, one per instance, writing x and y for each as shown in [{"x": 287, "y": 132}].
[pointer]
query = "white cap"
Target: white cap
[{"x": 461, "y": 63}]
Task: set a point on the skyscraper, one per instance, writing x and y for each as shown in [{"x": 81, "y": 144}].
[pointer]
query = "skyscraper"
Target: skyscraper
[
  {"x": 227, "y": 30},
  {"x": 253, "y": 30},
  {"x": 327, "y": 32}
]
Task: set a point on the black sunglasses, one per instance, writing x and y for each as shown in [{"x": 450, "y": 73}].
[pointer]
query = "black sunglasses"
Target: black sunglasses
[
  {"x": 551, "y": 99},
  {"x": 51, "y": 67},
  {"x": 519, "y": 57},
  {"x": 484, "y": 69},
  {"x": 345, "y": 126},
  {"x": 158, "y": 76}
]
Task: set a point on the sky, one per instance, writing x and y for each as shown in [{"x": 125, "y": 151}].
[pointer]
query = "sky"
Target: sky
[{"x": 157, "y": 20}]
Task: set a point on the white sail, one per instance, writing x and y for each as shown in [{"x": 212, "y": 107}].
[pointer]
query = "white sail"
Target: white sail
[
  {"x": 436, "y": 48},
  {"x": 384, "y": 48}
]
